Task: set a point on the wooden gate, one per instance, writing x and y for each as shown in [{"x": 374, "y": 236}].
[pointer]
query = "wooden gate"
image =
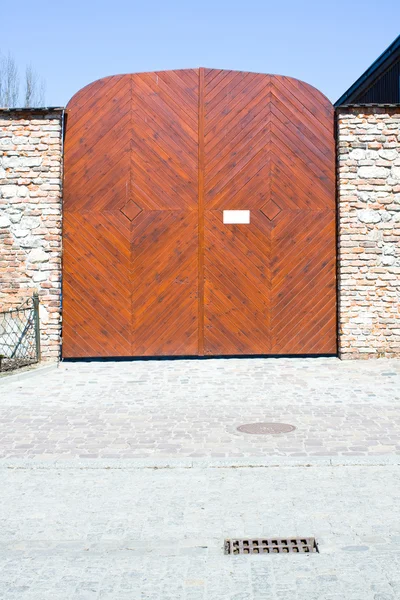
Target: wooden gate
[{"x": 155, "y": 165}]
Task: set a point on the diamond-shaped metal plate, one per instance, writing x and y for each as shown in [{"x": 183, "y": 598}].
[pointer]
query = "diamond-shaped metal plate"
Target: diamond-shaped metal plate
[
  {"x": 270, "y": 210},
  {"x": 131, "y": 210}
]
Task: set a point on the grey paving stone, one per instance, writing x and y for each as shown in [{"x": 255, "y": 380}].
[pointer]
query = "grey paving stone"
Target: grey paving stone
[
  {"x": 121, "y": 480},
  {"x": 76, "y": 532},
  {"x": 189, "y": 408}
]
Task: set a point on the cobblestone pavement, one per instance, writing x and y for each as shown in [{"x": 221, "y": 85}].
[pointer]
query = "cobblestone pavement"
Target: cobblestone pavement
[
  {"x": 119, "y": 480},
  {"x": 77, "y": 531},
  {"x": 191, "y": 408}
]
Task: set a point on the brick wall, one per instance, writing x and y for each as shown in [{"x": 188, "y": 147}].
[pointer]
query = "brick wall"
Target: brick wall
[
  {"x": 369, "y": 232},
  {"x": 30, "y": 216},
  {"x": 368, "y": 219}
]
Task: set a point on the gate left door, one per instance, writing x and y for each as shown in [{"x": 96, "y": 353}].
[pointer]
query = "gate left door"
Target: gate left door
[{"x": 131, "y": 217}]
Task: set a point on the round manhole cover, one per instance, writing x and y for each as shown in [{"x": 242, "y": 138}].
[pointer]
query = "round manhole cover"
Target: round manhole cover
[{"x": 266, "y": 428}]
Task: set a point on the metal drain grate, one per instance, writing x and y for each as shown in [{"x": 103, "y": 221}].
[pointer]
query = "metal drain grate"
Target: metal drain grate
[{"x": 271, "y": 546}]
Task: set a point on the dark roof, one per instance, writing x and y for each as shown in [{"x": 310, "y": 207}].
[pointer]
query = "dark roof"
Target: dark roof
[
  {"x": 39, "y": 109},
  {"x": 380, "y": 83}
]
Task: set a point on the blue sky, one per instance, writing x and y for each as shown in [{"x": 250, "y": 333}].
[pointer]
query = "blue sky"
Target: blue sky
[{"x": 327, "y": 44}]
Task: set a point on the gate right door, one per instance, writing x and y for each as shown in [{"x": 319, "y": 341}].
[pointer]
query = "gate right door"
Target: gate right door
[{"x": 268, "y": 148}]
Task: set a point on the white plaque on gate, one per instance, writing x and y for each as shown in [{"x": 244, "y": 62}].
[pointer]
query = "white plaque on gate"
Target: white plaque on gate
[{"x": 235, "y": 217}]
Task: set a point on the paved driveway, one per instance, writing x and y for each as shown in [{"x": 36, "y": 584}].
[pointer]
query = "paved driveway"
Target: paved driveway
[
  {"x": 120, "y": 481},
  {"x": 190, "y": 408},
  {"x": 89, "y": 533}
]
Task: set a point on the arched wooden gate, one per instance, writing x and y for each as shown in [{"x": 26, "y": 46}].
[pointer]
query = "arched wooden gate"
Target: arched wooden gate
[{"x": 199, "y": 216}]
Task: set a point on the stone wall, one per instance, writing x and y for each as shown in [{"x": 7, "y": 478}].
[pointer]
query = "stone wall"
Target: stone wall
[
  {"x": 30, "y": 216},
  {"x": 369, "y": 231},
  {"x": 368, "y": 224}
]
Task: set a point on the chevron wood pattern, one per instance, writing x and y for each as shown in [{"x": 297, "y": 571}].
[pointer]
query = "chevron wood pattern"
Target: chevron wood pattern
[
  {"x": 151, "y": 162},
  {"x": 269, "y": 148},
  {"x": 130, "y": 217}
]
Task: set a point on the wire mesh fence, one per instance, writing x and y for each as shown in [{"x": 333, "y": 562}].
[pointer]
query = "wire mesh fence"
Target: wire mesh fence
[{"x": 20, "y": 335}]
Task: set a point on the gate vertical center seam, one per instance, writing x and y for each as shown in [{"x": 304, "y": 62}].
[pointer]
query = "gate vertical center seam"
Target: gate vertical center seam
[{"x": 201, "y": 214}]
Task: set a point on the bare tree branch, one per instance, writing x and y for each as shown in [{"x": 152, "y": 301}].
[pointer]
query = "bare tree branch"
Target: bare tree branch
[
  {"x": 34, "y": 86},
  {"x": 9, "y": 78},
  {"x": 29, "y": 85},
  {"x": 1, "y": 80},
  {"x": 42, "y": 93}
]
